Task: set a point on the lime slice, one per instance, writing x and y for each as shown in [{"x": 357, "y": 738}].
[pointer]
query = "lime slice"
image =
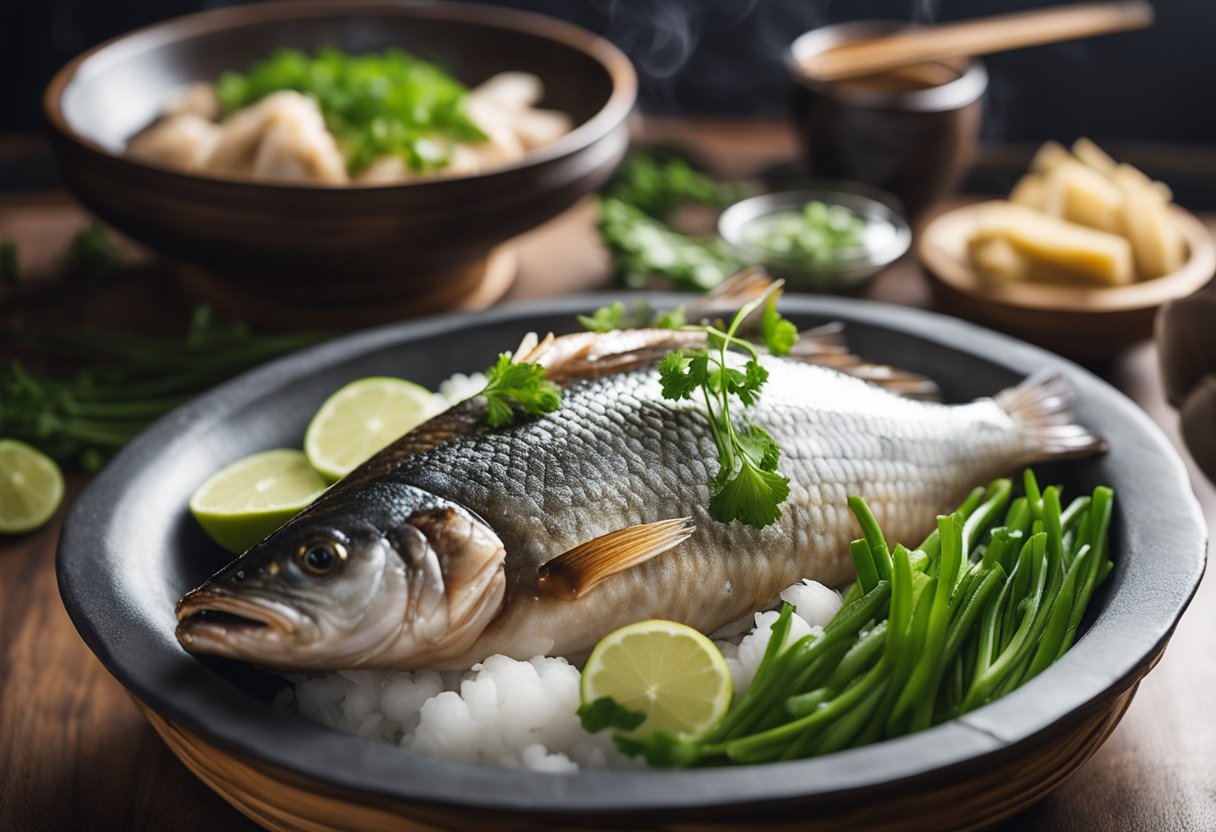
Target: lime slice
[
  {"x": 363, "y": 417},
  {"x": 243, "y": 503},
  {"x": 31, "y": 487},
  {"x": 668, "y": 671}
]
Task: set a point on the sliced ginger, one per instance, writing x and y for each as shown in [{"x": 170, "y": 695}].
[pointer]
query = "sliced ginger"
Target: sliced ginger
[
  {"x": 1078, "y": 216},
  {"x": 1031, "y": 191},
  {"x": 1156, "y": 242},
  {"x": 1048, "y": 156},
  {"x": 1093, "y": 156},
  {"x": 1080, "y": 194},
  {"x": 1056, "y": 244}
]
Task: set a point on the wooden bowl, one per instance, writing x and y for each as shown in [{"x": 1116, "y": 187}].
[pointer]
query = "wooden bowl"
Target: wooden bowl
[
  {"x": 129, "y": 548},
  {"x": 373, "y": 242},
  {"x": 1078, "y": 321}
]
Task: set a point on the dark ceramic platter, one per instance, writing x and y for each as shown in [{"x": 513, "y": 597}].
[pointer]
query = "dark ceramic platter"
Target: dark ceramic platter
[{"x": 129, "y": 549}]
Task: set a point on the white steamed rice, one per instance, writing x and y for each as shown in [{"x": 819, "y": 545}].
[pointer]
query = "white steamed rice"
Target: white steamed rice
[{"x": 512, "y": 713}]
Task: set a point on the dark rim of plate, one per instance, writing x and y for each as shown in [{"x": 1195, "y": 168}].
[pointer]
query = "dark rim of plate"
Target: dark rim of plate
[{"x": 1146, "y": 596}]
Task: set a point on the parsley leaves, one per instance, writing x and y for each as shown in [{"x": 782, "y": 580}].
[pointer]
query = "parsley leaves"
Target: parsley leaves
[
  {"x": 748, "y": 487},
  {"x": 519, "y": 383},
  {"x": 606, "y": 712},
  {"x": 779, "y": 334}
]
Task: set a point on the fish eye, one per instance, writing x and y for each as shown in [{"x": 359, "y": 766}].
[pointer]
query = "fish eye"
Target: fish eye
[{"x": 320, "y": 557}]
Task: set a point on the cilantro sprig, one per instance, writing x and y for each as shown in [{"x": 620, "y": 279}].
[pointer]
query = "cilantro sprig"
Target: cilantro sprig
[
  {"x": 606, "y": 712},
  {"x": 520, "y": 383},
  {"x": 748, "y": 487}
]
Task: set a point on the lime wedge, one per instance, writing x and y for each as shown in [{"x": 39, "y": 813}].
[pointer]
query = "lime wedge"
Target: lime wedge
[
  {"x": 363, "y": 417},
  {"x": 31, "y": 487},
  {"x": 249, "y": 499},
  {"x": 668, "y": 671}
]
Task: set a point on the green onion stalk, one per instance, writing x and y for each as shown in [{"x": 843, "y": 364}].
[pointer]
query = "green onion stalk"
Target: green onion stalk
[
  {"x": 123, "y": 382},
  {"x": 985, "y": 603}
]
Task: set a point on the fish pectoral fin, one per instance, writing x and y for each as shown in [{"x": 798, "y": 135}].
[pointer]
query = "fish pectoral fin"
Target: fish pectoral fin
[
  {"x": 825, "y": 345},
  {"x": 574, "y": 573}
]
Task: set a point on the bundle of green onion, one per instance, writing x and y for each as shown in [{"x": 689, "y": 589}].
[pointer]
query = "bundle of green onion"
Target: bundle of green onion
[
  {"x": 985, "y": 603},
  {"x": 123, "y": 383}
]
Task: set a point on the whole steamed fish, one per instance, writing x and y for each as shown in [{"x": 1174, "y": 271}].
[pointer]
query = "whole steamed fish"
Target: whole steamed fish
[{"x": 459, "y": 541}]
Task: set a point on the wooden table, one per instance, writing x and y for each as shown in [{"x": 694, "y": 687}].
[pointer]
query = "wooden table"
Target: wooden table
[{"x": 75, "y": 754}]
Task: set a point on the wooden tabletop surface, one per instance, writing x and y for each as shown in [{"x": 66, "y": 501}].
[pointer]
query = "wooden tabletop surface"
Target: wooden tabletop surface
[{"x": 75, "y": 753}]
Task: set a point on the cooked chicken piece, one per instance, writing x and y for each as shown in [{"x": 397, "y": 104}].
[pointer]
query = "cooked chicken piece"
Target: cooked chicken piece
[
  {"x": 510, "y": 91},
  {"x": 195, "y": 100},
  {"x": 536, "y": 128},
  {"x": 385, "y": 170},
  {"x": 291, "y": 151},
  {"x": 301, "y": 148},
  {"x": 501, "y": 147},
  {"x": 183, "y": 142}
]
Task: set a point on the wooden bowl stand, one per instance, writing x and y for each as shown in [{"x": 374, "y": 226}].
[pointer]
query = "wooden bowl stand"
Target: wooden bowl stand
[{"x": 281, "y": 306}]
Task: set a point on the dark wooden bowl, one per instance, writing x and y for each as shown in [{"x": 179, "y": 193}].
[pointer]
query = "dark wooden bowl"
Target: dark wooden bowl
[
  {"x": 129, "y": 548},
  {"x": 915, "y": 143},
  {"x": 371, "y": 242}
]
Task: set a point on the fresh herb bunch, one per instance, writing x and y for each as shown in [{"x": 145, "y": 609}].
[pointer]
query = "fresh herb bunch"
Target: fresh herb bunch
[
  {"x": 660, "y": 188},
  {"x": 10, "y": 262},
  {"x": 635, "y": 208},
  {"x": 90, "y": 253},
  {"x": 643, "y": 248},
  {"x": 748, "y": 487},
  {"x": 519, "y": 382},
  {"x": 125, "y": 381},
  {"x": 386, "y": 103},
  {"x": 988, "y": 601}
]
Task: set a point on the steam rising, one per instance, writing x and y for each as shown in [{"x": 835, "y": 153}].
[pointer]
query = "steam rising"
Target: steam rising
[
  {"x": 664, "y": 38},
  {"x": 924, "y": 12}
]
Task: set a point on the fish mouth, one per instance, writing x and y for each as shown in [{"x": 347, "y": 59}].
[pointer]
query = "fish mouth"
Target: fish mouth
[{"x": 208, "y": 618}]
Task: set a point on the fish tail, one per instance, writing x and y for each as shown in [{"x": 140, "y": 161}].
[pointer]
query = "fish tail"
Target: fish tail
[{"x": 1042, "y": 407}]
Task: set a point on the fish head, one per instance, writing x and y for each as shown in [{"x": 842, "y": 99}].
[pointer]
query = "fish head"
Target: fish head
[{"x": 379, "y": 576}]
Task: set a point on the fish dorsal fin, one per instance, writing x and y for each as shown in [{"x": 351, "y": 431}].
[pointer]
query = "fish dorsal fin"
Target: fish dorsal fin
[
  {"x": 584, "y": 355},
  {"x": 730, "y": 295},
  {"x": 575, "y": 573},
  {"x": 825, "y": 346}
]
